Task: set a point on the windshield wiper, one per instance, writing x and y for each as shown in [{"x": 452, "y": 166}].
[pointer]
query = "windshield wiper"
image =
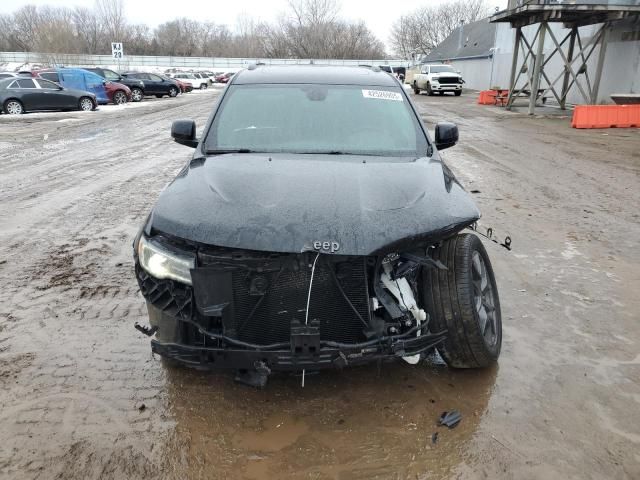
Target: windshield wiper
[{"x": 231, "y": 150}]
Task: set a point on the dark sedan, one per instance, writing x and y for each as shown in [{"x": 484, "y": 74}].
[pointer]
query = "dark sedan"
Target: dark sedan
[
  {"x": 20, "y": 95},
  {"x": 155, "y": 84}
]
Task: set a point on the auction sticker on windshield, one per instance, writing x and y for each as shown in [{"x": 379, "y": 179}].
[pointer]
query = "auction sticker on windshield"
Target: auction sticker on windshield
[{"x": 382, "y": 95}]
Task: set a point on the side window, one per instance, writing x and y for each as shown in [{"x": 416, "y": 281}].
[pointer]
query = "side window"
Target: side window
[
  {"x": 111, "y": 75},
  {"x": 26, "y": 83},
  {"x": 155, "y": 78},
  {"x": 13, "y": 84},
  {"x": 46, "y": 84},
  {"x": 53, "y": 77},
  {"x": 5, "y": 75}
]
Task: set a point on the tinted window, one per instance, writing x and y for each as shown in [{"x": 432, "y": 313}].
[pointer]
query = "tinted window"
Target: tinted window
[
  {"x": 47, "y": 84},
  {"x": 5, "y": 75},
  {"x": 155, "y": 78},
  {"x": 317, "y": 119},
  {"x": 111, "y": 75},
  {"x": 26, "y": 83},
  {"x": 50, "y": 76},
  {"x": 13, "y": 85}
]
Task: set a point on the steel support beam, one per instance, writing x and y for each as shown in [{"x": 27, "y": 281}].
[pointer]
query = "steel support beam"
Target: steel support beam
[
  {"x": 567, "y": 67},
  {"x": 533, "y": 97},
  {"x": 601, "y": 55},
  {"x": 514, "y": 66}
]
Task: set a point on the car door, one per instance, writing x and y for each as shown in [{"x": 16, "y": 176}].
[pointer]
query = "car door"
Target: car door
[
  {"x": 55, "y": 97},
  {"x": 159, "y": 85},
  {"x": 95, "y": 84},
  {"x": 29, "y": 94}
]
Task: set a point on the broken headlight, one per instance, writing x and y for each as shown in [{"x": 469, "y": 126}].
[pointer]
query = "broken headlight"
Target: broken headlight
[{"x": 162, "y": 263}]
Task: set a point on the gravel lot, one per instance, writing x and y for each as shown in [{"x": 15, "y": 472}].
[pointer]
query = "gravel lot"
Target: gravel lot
[{"x": 82, "y": 397}]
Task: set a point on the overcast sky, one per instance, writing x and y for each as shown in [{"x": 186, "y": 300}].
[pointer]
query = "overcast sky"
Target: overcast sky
[{"x": 378, "y": 14}]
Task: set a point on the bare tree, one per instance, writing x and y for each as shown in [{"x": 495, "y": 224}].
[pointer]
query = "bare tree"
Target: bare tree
[
  {"x": 422, "y": 30},
  {"x": 308, "y": 29},
  {"x": 112, "y": 15}
]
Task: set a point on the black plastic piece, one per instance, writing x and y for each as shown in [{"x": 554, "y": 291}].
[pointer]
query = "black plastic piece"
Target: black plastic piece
[
  {"x": 148, "y": 331},
  {"x": 450, "y": 419},
  {"x": 254, "y": 378},
  {"x": 305, "y": 339}
]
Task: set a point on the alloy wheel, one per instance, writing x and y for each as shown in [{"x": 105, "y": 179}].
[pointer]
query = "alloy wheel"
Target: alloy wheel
[
  {"x": 136, "y": 95},
  {"x": 86, "y": 104},
  {"x": 14, "y": 107},
  {"x": 119, "y": 98},
  {"x": 483, "y": 297}
]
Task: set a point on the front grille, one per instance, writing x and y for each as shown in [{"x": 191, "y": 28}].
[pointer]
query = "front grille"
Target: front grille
[
  {"x": 448, "y": 80},
  {"x": 173, "y": 298},
  {"x": 286, "y": 298}
]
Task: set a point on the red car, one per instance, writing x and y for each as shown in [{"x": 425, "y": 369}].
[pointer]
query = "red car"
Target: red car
[
  {"x": 225, "y": 77},
  {"x": 118, "y": 93}
]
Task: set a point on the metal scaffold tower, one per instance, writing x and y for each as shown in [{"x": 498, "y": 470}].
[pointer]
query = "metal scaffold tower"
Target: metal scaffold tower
[{"x": 529, "y": 58}]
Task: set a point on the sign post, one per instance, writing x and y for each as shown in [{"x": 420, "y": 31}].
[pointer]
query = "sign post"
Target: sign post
[{"x": 117, "y": 52}]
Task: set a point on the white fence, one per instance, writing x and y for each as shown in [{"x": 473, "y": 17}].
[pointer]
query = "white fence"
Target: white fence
[{"x": 137, "y": 61}]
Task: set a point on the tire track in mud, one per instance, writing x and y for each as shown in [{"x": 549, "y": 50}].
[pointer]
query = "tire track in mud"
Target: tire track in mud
[{"x": 70, "y": 297}]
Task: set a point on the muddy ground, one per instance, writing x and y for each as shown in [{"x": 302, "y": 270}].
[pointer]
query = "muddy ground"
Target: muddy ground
[{"x": 81, "y": 396}]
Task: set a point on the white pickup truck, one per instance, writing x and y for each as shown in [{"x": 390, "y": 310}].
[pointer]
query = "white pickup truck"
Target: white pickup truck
[{"x": 437, "y": 78}]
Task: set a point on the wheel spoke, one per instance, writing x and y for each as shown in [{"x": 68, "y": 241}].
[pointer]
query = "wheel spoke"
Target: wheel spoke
[{"x": 482, "y": 316}]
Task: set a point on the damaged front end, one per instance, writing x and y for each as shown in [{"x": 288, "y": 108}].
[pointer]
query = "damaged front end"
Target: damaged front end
[{"x": 213, "y": 307}]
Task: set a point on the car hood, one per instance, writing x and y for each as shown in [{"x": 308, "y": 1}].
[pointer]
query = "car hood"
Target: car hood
[{"x": 288, "y": 203}]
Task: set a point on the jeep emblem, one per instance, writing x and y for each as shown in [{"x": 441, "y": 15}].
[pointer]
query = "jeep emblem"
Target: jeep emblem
[{"x": 331, "y": 247}]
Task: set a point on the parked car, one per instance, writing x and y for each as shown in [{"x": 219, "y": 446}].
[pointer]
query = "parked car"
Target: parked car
[
  {"x": 225, "y": 77},
  {"x": 210, "y": 75},
  {"x": 78, "y": 79},
  {"x": 155, "y": 84},
  {"x": 21, "y": 94},
  {"x": 437, "y": 78},
  {"x": 184, "y": 87},
  {"x": 115, "y": 93},
  {"x": 4, "y": 75},
  {"x": 316, "y": 226},
  {"x": 204, "y": 80},
  {"x": 193, "y": 80},
  {"x": 136, "y": 86}
]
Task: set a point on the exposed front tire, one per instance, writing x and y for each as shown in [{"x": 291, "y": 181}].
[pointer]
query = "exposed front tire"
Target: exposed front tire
[
  {"x": 13, "y": 107},
  {"x": 458, "y": 93},
  {"x": 173, "y": 92},
  {"x": 137, "y": 95},
  {"x": 463, "y": 300},
  {"x": 119, "y": 98},
  {"x": 203, "y": 86},
  {"x": 85, "y": 104},
  {"x": 429, "y": 91}
]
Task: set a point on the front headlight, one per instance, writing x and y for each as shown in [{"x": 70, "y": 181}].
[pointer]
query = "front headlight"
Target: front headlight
[{"x": 162, "y": 263}]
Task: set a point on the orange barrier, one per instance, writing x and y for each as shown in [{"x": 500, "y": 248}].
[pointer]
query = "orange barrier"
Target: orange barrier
[
  {"x": 487, "y": 97},
  {"x": 606, "y": 116}
]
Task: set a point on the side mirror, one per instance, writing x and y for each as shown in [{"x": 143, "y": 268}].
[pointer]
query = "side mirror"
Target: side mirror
[
  {"x": 446, "y": 135},
  {"x": 184, "y": 133},
  {"x": 60, "y": 87}
]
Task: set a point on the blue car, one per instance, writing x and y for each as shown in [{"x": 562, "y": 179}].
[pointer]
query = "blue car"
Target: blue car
[{"x": 78, "y": 79}]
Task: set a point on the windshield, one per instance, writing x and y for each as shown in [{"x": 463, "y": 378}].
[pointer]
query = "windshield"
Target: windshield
[
  {"x": 336, "y": 119},
  {"x": 442, "y": 69}
]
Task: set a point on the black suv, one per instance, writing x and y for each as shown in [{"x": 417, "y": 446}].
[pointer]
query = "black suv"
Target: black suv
[
  {"x": 155, "y": 84},
  {"x": 315, "y": 226},
  {"x": 136, "y": 86}
]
